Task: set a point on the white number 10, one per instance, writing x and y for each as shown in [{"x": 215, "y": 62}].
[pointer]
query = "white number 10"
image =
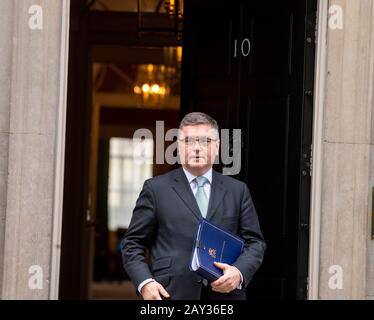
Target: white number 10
[{"x": 245, "y": 49}]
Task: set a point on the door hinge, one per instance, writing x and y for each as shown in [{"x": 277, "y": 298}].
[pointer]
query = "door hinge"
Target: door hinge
[
  {"x": 311, "y": 160},
  {"x": 307, "y": 162},
  {"x": 316, "y": 29}
]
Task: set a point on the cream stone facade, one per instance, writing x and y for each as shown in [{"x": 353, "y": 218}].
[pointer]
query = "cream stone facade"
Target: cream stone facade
[{"x": 33, "y": 86}]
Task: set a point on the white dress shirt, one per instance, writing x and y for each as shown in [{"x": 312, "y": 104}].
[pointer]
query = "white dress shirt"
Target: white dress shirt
[
  {"x": 207, "y": 188},
  {"x": 193, "y": 183}
]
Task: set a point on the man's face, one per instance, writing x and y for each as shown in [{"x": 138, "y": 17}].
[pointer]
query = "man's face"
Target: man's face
[{"x": 198, "y": 146}]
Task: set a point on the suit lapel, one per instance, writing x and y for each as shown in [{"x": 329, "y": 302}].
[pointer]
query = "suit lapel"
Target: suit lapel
[
  {"x": 183, "y": 189},
  {"x": 217, "y": 193}
]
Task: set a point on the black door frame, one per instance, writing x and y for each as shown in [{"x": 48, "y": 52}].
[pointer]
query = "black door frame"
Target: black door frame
[{"x": 306, "y": 154}]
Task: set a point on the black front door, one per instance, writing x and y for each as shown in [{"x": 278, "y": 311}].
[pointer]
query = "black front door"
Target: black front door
[{"x": 250, "y": 65}]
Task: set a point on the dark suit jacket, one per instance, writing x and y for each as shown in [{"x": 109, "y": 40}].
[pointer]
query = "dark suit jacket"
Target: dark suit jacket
[{"x": 165, "y": 220}]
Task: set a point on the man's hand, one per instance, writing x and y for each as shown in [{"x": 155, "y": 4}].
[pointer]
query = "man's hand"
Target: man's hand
[
  {"x": 230, "y": 279},
  {"x": 154, "y": 291}
]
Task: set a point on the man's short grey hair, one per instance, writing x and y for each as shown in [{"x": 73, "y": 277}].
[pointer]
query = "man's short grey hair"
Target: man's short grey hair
[{"x": 195, "y": 118}]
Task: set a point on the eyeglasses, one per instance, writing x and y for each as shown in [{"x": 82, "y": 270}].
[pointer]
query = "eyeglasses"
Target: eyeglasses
[{"x": 203, "y": 141}]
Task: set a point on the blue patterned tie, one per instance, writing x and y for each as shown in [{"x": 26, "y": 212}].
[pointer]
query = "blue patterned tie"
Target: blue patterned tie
[{"x": 201, "y": 198}]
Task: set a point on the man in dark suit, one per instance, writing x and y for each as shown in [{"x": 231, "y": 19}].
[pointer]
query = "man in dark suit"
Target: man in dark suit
[{"x": 167, "y": 214}]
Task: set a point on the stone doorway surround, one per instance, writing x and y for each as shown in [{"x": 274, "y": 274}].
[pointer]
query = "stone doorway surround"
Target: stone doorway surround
[
  {"x": 33, "y": 73},
  {"x": 341, "y": 250}
]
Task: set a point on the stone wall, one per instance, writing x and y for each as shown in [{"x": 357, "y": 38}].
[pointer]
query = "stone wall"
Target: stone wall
[
  {"x": 347, "y": 141},
  {"x": 30, "y": 60}
]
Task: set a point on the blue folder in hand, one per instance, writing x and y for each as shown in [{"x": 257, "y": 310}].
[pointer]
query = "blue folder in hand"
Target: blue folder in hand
[{"x": 212, "y": 243}]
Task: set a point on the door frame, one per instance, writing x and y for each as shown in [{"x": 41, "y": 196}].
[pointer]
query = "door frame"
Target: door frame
[
  {"x": 316, "y": 183},
  {"x": 60, "y": 153},
  {"x": 317, "y": 164}
]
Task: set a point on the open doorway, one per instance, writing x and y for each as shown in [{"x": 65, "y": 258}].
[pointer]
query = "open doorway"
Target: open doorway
[
  {"x": 124, "y": 75},
  {"x": 246, "y": 71},
  {"x": 133, "y": 87}
]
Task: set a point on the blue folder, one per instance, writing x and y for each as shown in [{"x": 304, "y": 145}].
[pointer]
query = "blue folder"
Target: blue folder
[{"x": 212, "y": 243}]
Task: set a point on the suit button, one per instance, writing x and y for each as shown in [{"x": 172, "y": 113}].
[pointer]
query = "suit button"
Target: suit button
[{"x": 202, "y": 281}]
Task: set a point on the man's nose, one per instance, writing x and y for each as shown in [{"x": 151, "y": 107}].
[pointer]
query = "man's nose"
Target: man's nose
[{"x": 197, "y": 146}]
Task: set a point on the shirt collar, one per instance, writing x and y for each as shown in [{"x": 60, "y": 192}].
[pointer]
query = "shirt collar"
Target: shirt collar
[{"x": 190, "y": 176}]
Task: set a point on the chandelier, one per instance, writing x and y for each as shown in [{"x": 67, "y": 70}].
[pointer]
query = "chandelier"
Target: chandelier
[
  {"x": 154, "y": 82},
  {"x": 151, "y": 82}
]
